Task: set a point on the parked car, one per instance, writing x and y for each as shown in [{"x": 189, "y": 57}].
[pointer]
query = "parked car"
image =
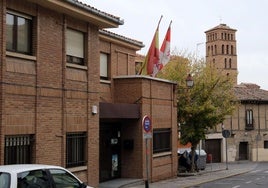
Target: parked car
[
  {"x": 184, "y": 159},
  {"x": 38, "y": 176}
]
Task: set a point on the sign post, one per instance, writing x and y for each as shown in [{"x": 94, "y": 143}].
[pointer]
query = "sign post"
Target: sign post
[
  {"x": 226, "y": 134},
  {"x": 147, "y": 134}
]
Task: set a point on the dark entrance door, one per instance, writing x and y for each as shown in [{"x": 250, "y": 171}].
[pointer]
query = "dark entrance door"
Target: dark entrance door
[
  {"x": 213, "y": 147},
  {"x": 243, "y": 151},
  {"x": 110, "y": 151}
]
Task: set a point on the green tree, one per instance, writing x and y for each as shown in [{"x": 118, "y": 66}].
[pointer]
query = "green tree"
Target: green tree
[{"x": 203, "y": 106}]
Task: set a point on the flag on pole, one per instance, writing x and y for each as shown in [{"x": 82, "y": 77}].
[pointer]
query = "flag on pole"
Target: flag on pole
[
  {"x": 164, "y": 55},
  {"x": 151, "y": 61}
]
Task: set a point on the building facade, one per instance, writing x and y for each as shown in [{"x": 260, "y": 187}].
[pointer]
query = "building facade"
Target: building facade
[
  {"x": 70, "y": 95},
  {"x": 248, "y": 124}
]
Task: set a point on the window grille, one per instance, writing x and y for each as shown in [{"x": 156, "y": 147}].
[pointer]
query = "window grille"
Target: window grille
[
  {"x": 76, "y": 149},
  {"x": 18, "y": 149}
]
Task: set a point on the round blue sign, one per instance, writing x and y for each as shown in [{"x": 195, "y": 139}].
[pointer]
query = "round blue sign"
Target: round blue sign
[{"x": 147, "y": 125}]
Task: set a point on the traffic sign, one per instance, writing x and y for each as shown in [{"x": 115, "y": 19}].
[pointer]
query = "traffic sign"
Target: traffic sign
[
  {"x": 226, "y": 133},
  {"x": 147, "y": 124}
]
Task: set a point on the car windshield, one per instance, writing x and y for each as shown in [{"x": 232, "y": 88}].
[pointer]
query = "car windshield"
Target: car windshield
[{"x": 4, "y": 180}]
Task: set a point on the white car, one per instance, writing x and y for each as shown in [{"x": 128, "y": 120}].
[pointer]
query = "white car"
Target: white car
[{"x": 38, "y": 176}]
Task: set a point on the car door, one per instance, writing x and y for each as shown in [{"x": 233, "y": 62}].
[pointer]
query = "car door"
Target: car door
[
  {"x": 62, "y": 178},
  {"x": 34, "y": 179}
]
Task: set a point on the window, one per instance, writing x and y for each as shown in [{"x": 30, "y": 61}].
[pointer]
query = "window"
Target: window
[
  {"x": 34, "y": 178},
  {"x": 75, "y": 47},
  {"x": 62, "y": 178},
  {"x": 75, "y": 149},
  {"x": 249, "y": 119},
  {"x": 161, "y": 140},
  {"x": 104, "y": 66},
  {"x": 18, "y": 33},
  {"x": 5, "y": 180},
  {"x": 18, "y": 149},
  {"x": 265, "y": 144}
]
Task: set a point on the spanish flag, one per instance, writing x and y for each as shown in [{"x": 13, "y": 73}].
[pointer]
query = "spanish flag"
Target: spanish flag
[{"x": 149, "y": 66}]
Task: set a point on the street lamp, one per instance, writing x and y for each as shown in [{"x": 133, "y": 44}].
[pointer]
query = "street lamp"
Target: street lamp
[{"x": 189, "y": 81}]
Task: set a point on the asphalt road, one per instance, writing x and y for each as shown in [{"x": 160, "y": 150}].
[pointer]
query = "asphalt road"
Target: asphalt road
[{"x": 256, "y": 178}]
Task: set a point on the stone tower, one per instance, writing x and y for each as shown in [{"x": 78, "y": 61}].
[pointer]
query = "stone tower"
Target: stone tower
[{"x": 221, "y": 49}]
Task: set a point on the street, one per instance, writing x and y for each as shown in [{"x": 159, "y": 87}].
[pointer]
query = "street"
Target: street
[{"x": 258, "y": 177}]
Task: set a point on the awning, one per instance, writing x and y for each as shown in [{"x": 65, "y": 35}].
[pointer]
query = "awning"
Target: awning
[{"x": 119, "y": 111}]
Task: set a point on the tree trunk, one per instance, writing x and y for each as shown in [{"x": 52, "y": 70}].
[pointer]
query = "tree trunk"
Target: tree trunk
[{"x": 193, "y": 161}]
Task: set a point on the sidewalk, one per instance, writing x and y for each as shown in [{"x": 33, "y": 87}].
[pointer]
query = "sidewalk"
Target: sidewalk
[{"x": 212, "y": 172}]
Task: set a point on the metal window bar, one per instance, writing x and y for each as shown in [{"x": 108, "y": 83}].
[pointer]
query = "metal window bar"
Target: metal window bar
[
  {"x": 75, "y": 153},
  {"x": 18, "y": 149}
]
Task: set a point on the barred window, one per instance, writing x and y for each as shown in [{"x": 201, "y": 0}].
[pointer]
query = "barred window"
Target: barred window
[
  {"x": 161, "y": 140},
  {"x": 76, "y": 149},
  {"x": 18, "y": 149}
]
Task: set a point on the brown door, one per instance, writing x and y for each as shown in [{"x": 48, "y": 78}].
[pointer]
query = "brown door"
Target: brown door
[
  {"x": 243, "y": 151},
  {"x": 110, "y": 152},
  {"x": 213, "y": 148}
]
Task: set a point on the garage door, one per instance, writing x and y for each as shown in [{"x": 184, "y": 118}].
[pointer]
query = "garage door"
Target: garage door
[{"x": 213, "y": 147}]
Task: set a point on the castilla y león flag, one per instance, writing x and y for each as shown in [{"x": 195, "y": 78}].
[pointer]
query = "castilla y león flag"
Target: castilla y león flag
[{"x": 164, "y": 55}]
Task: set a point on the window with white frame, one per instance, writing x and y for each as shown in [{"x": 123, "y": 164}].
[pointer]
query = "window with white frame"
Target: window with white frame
[
  {"x": 249, "y": 119},
  {"x": 18, "y": 33},
  {"x": 75, "y": 47},
  {"x": 104, "y": 66}
]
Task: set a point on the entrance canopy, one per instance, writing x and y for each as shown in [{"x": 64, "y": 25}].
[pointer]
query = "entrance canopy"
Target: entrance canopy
[{"x": 119, "y": 111}]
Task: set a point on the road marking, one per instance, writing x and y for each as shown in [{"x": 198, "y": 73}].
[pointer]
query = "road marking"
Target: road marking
[
  {"x": 255, "y": 171},
  {"x": 236, "y": 186},
  {"x": 248, "y": 182}
]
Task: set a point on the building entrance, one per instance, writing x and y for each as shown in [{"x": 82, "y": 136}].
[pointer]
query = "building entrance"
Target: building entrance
[
  {"x": 243, "y": 151},
  {"x": 110, "y": 151}
]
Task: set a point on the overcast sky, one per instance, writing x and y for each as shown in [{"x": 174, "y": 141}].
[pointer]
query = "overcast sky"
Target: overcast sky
[{"x": 190, "y": 19}]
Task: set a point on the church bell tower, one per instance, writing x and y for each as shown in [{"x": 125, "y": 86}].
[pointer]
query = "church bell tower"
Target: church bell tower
[{"x": 221, "y": 50}]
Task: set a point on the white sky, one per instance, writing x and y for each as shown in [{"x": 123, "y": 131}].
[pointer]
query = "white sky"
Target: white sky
[{"x": 190, "y": 19}]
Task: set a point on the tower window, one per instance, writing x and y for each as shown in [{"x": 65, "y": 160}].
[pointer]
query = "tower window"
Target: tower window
[{"x": 222, "y": 49}]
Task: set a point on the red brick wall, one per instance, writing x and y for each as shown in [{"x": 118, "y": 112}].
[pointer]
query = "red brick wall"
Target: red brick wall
[{"x": 157, "y": 100}]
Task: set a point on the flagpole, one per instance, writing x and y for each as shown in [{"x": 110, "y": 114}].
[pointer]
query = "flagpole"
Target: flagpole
[
  {"x": 143, "y": 67},
  {"x": 159, "y": 21}
]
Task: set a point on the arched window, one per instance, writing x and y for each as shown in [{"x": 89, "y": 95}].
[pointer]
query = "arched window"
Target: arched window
[
  {"x": 215, "y": 49},
  {"x": 222, "y": 49},
  {"x": 230, "y": 63},
  {"x": 227, "y": 49},
  {"x": 208, "y": 50},
  {"x": 222, "y": 36},
  {"x": 212, "y": 53},
  {"x": 225, "y": 63},
  {"x": 232, "y": 50}
]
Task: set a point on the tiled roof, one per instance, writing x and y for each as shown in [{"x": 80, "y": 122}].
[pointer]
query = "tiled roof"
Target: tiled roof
[
  {"x": 120, "y": 37},
  {"x": 250, "y": 93},
  {"x": 221, "y": 26},
  {"x": 98, "y": 12}
]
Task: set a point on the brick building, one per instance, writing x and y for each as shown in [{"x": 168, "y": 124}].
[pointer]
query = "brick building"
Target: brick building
[
  {"x": 248, "y": 124},
  {"x": 70, "y": 95}
]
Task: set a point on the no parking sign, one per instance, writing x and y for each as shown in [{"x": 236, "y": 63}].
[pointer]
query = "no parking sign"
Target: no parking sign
[{"x": 147, "y": 127}]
